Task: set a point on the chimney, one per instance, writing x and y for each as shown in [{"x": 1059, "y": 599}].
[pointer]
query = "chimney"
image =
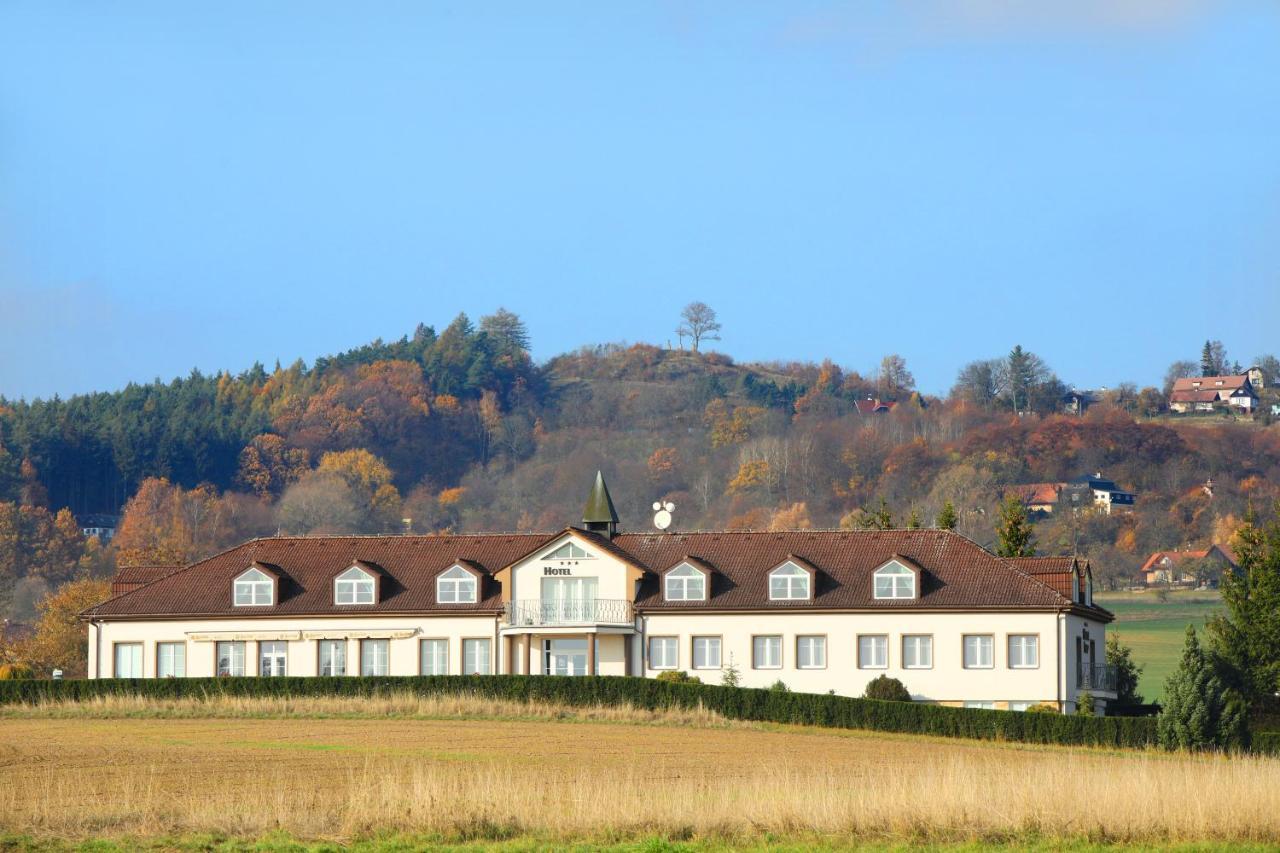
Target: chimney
[{"x": 599, "y": 514}]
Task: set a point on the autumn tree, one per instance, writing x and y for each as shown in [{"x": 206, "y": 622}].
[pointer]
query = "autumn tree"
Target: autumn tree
[
  {"x": 322, "y": 503},
  {"x": 978, "y": 383},
  {"x": 1178, "y": 370},
  {"x": 893, "y": 380},
  {"x": 1015, "y": 534},
  {"x": 793, "y": 517},
  {"x": 268, "y": 465},
  {"x": 698, "y": 324},
  {"x": 61, "y": 639}
]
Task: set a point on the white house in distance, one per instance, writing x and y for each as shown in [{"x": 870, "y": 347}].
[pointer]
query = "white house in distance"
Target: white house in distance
[
  {"x": 820, "y": 610},
  {"x": 1202, "y": 393}
]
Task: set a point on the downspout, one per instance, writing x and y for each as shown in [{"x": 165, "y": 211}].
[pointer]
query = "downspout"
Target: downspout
[
  {"x": 1062, "y": 647},
  {"x": 97, "y": 648},
  {"x": 499, "y": 651},
  {"x": 640, "y": 657}
]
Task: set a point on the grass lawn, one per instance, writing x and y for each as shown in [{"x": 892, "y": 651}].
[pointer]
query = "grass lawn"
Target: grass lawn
[{"x": 1155, "y": 629}]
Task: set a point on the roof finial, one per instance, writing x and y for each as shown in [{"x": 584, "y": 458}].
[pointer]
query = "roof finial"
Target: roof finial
[{"x": 599, "y": 514}]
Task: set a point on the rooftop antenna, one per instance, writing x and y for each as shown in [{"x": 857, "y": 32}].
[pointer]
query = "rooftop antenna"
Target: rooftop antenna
[{"x": 662, "y": 514}]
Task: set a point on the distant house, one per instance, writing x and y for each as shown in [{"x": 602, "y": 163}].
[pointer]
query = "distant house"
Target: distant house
[
  {"x": 1204, "y": 393},
  {"x": 102, "y": 526},
  {"x": 872, "y": 406},
  {"x": 1257, "y": 378},
  {"x": 1077, "y": 402},
  {"x": 1039, "y": 497},
  {"x": 1179, "y": 567},
  {"x": 1104, "y": 493}
]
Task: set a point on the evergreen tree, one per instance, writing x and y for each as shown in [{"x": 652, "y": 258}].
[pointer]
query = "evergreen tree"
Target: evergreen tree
[
  {"x": 1127, "y": 673},
  {"x": 1200, "y": 712},
  {"x": 1246, "y": 638},
  {"x": 1206, "y": 360},
  {"x": 914, "y": 523},
  {"x": 882, "y": 518},
  {"x": 947, "y": 518},
  {"x": 1017, "y": 539}
]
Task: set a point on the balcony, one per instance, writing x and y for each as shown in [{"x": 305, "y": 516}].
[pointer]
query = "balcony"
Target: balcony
[
  {"x": 1098, "y": 676},
  {"x": 537, "y": 613}
]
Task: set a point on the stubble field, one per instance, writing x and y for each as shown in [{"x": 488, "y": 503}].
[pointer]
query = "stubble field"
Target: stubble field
[{"x": 462, "y": 771}]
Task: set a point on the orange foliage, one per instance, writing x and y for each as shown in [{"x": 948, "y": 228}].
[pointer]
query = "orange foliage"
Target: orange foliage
[
  {"x": 794, "y": 517},
  {"x": 750, "y": 475},
  {"x": 753, "y": 519},
  {"x": 662, "y": 462},
  {"x": 450, "y": 497}
]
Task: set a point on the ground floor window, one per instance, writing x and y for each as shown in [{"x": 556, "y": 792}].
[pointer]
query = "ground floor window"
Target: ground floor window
[
  {"x": 171, "y": 660},
  {"x": 271, "y": 658},
  {"x": 979, "y": 703},
  {"x": 128, "y": 660},
  {"x": 1024, "y": 651},
  {"x": 333, "y": 657},
  {"x": 766, "y": 652},
  {"x": 374, "y": 657},
  {"x": 435, "y": 657},
  {"x": 811, "y": 652},
  {"x": 978, "y": 651},
  {"x": 873, "y": 651},
  {"x": 475, "y": 657},
  {"x": 706, "y": 652},
  {"x": 1020, "y": 706},
  {"x": 664, "y": 653},
  {"x": 564, "y": 656},
  {"x": 917, "y": 651},
  {"x": 230, "y": 658}
]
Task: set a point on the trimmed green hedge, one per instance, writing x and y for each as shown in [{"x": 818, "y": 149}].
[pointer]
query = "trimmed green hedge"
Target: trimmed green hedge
[{"x": 732, "y": 702}]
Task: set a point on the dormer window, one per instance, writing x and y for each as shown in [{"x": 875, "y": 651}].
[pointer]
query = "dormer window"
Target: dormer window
[
  {"x": 790, "y": 582},
  {"x": 457, "y": 586},
  {"x": 894, "y": 580},
  {"x": 254, "y": 588},
  {"x": 354, "y": 586},
  {"x": 568, "y": 551},
  {"x": 685, "y": 583}
]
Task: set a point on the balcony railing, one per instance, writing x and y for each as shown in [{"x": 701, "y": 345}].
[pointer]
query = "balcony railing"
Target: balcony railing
[
  {"x": 1098, "y": 676},
  {"x": 586, "y": 611}
]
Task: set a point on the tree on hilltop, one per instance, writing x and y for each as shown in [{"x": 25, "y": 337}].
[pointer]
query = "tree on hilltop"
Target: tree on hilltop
[{"x": 698, "y": 324}]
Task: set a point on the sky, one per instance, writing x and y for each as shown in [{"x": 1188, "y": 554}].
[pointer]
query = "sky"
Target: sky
[{"x": 204, "y": 186}]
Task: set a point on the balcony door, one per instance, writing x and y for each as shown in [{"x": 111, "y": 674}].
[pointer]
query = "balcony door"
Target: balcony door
[{"x": 568, "y": 600}]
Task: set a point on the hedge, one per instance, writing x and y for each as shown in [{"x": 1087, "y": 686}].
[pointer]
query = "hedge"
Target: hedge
[{"x": 732, "y": 702}]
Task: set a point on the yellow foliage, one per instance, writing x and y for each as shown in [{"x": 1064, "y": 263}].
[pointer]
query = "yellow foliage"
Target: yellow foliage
[
  {"x": 451, "y": 497},
  {"x": 750, "y": 475},
  {"x": 448, "y": 404},
  {"x": 794, "y": 517}
]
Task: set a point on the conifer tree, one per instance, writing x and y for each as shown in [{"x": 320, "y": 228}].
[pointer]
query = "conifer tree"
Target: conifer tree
[
  {"x": 1017, "y": 539},
  {"x": 1200, "y": 712},
  {"x": 947, "y": 517},
  {"x": 914, "y": 523},
  {"x": 1246, "y": 638},
  {"x": 1206, "y": 360}
]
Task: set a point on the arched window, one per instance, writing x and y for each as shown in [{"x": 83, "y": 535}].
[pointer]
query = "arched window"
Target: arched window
[
  {"x": 254, "y": 588},
  {"x": 456, "y": 586},
  {"x": 354, "y": 586},
  {"x": 789, "y": 582},
  {"x": 685, "y": 583},
  {"x": 894, "y": 580}
]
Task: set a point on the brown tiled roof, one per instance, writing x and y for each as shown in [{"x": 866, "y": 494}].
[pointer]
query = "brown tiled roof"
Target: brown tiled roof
[
  {"x": 1053, "y": 571},
  {"x": 1201, "y": 383},
  {"x": 132, "y": 577},
  {"x": 1038, "y": 493},
  {"x": 1208, "y": 396},
  {"x": 308, "y": 565}
]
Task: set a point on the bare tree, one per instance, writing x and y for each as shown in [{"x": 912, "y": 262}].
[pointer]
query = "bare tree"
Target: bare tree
[
  {"x": 894, "y": 380},
  {"x": 699, "y": 324}
]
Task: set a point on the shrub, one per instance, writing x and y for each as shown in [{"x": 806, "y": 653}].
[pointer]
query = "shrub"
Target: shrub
[
  {"x": 779, "y": 686},
  {"x": 14, "y": 671},
  {"x": 1043, "y": 708},
  {"x": 1084, "y": 704},
  {"x": 731, "y": 677},
  {"x": 887, "y": 689},
  {"x": 678, "y": 676}
]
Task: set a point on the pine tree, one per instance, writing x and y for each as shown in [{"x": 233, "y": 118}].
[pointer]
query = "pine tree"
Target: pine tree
[
  {"x": 1017, "y": 539},
  {"x": 1206, "y": 360},
  {"x": 1200, "y": 712},
  {"x": 914, "y": 523},
  {"x": 947, "y": 518},
  {"x": 1246, "y": 638}
]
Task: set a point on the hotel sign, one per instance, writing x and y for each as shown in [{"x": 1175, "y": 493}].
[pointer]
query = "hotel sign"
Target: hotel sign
[{"x": 556, "y": 570}]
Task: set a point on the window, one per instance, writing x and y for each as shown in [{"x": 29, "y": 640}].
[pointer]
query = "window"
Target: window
[
  {"x": 354, "y": 586},
  {"x": 435, "y": 657},
  {"x": 1024, "y": 651},
  {"x": 373, "y": 657},
  {"x": 456, "y": 586},
  {"x": 788, "y": 582},
  {"x": 333, "y": 657},
  {"x": 811, "y": 652},
  {"x": 475, "y": 657},
  {"x": 706, "y": 652},
  {"x": 663, "y": 653},
  {"x": 230, "y": 658},
  {"x": 978, "y": 651},
  {"x": 171, "y": 660},
  {"x": 254, "y": 588},
  {"x": 895, "y": 580},
  {"x": 128, "y": 660},
  {"x": 766, "y": 652},
  {"x": 977, "y": 703},
  {"x": 1020, "y": 706},
  {"x": 568, "y": 551},
  {"x": 271, "y": 658},
  {"x": 873, "y": 651},
  {"x": 917, "y": 651},
  {"x": 686, "y": 583}
]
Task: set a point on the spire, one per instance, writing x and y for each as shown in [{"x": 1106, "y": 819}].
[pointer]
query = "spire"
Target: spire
[{"x": 599, "y": 513}]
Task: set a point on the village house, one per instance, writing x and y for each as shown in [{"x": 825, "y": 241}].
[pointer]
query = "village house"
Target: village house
[
  {"x": 817, "y": 610},
  {"x": 1206, "y": 393},
  {"x": 1187, "y": 567},
  {"x": 1081, "y": 492}
]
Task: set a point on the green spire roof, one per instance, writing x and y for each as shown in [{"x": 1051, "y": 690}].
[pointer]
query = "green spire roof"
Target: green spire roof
[{"x": 599, "y": 509}]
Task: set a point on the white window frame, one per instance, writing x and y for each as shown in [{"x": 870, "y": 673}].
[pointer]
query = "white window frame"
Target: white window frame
[
  {"x": 176, "y": 664},
  {"x": 1018, "y": 647},
  {"x": 259, "y": 589},
  {"x": 569, "y": 551},
  {"x": 899, "y": 582},
  {"x": 1021, "y": 705},
  {"x": 978, "y": 646},
  {"x": 457, "y": 585},
  {"x": 236, "y": 658},
  {"x": 982, "y": 704},
  {"x": 796, "y": 579},
  {"x": 923, "y": 641},
  {"x": 811, "y": 651},
  {"x": 664, "y": 652},
  {"x": 878, "y": 647},
  {"x": 477, "y": 655},
  {"x": 438, "y": 657},
  {"x": 711, "y": 652},
  {"x": 771, "y": 646},
  {"x": 262, "y": 651},
  {"x": 377, "y": 666},
  {"x": 685, "y": 583},
  {"x": 135, "y": 662},
  {"x": 355, "y": 586},
  {"x": 337, "y": 667}
]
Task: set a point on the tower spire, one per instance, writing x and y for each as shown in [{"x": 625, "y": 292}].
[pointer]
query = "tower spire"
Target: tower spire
[{"x": 599, "y": 514}]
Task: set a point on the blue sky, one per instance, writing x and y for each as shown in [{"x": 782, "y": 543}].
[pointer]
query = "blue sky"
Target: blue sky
[{"x": 206, "y": 185}]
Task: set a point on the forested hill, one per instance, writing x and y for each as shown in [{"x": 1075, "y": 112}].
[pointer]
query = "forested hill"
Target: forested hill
[{"x": 462, "y": 430}]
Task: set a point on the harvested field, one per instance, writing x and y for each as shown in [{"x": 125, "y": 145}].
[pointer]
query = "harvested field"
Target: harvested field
[{"x": 316, "y": 775}]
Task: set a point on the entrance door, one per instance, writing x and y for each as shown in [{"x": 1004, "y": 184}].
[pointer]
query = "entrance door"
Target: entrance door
[
  {"x": 565, "y": 657},
  {"x": 568, "y": 600}
]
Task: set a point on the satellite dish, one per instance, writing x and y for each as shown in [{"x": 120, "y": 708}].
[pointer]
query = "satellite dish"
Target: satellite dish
[{"x": 662, "y": 517}]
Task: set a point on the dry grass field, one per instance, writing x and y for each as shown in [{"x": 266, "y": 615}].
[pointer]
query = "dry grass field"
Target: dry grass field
[{"x": 456, "y": 769}]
